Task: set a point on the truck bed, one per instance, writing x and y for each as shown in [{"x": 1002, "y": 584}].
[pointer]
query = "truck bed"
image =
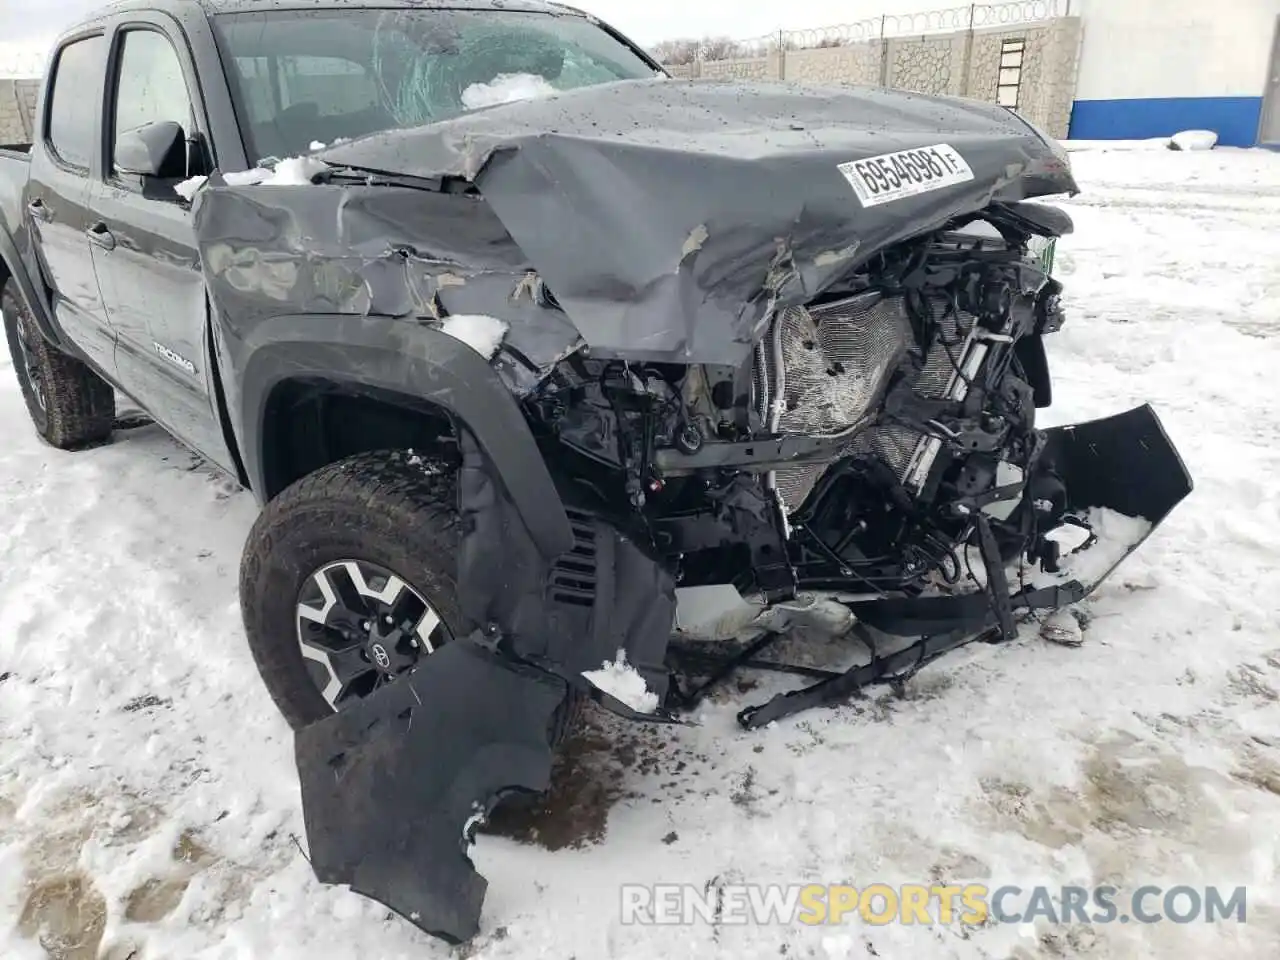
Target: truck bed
[{"x": 15, "y": 166}]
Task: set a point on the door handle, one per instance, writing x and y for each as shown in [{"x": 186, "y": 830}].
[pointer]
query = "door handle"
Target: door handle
[
  {"x": 100, "y": 235},
  {"x": 38, "y": 210}
]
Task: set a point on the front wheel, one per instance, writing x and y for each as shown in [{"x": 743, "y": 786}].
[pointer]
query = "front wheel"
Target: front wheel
[{"x": 348, "y": 581}]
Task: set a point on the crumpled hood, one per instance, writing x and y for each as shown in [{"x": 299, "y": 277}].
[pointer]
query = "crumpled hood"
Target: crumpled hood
[{"x": 669, "y": 218}]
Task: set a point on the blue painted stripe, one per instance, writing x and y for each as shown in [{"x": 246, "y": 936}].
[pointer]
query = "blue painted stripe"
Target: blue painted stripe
[{"x": 1235, "y": 119}]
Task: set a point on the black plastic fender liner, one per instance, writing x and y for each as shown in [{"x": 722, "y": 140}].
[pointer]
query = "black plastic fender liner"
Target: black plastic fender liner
[
  {"x": 393, "y": 785},
  {"x": 606, "y": 594},
  {"x": 411, "y": 359},
  {"x": 36, "y": 302}
]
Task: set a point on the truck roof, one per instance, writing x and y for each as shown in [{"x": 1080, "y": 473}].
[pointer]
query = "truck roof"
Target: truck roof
[
  {"x": 180, "y": 8},
  {"x": 248, "y": 6}
]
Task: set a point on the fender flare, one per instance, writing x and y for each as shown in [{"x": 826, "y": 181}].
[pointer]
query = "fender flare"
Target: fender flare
[
  {"x": 31, "y": 293},
  {"x": 410, "y": 359}
]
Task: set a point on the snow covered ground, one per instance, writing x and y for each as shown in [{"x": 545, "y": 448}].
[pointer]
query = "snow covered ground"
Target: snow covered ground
[{"x": 149, "y": 807}]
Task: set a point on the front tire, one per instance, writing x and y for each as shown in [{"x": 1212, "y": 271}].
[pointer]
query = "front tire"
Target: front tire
[
  {"x": 386, "y": 511},
  {"x": 70, "y": 405},
  {"x": 369, "y": 540}
]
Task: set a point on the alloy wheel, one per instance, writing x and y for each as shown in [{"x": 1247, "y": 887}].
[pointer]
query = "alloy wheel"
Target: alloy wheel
[{"x": 360, "y": 626}]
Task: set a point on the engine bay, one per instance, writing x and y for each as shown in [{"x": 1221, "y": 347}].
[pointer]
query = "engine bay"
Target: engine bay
[{"x": 869, "y": 437}]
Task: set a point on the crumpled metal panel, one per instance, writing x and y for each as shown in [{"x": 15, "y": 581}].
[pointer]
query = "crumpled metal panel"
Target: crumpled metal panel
[{"x": 671, "y": 219}]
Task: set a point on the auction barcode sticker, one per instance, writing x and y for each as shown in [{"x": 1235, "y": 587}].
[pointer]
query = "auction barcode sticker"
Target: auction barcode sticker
[{"x": 906, "y": 173}]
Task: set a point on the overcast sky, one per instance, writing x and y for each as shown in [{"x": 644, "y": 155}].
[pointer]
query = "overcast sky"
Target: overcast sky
[{"x": 646, "y": 21}]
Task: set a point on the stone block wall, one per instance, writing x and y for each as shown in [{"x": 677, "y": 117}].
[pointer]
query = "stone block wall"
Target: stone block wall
[
  {"x": 17, "y": 110},
  {"x": 958, "y": 63}
]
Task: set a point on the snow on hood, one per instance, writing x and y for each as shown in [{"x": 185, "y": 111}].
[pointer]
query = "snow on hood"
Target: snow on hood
[
  {"x": 506, "y": 88},
  {"x": 292, "y": 171},
  {"x": 482, "y": 334}
]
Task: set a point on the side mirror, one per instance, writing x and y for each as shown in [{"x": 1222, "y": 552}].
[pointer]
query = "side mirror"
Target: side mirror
[{"x": 153, "y": 150}]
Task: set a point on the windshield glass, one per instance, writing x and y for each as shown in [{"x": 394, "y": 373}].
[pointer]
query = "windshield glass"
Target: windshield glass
[{"x": 302, "y": 79}]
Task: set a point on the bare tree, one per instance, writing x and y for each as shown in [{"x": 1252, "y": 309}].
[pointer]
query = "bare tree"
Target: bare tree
[
  {"x": 721, "y": 48},
  {"x": 684, "y": 51},
  {"x": 676, "y": 52}
]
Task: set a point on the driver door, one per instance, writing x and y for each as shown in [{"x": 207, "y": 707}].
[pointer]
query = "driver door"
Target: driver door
[{"x": 144, "y": 246}]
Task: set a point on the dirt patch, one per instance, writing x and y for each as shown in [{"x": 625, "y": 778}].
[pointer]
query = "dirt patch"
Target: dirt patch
[
  {"x": 189, "y": 850},
  {"x": 155, "y": 900},
  {"x": 1248, "y": 682},
  {"x": 67, "y": 915},
  {"x": 586, "y": 781},
  {"x": 603, "y": 761},
  {"x": 745, "y": 792},
  {"x": 160, "y": 896},
  {"x": 1127, "y": 787},
  {"x": 954, "y": 866},
  {"x": 64, "y": 911},
  {"x": 1258, "y": 771}
]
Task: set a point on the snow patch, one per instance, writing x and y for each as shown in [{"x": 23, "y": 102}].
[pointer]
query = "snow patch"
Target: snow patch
[
  {"x": 292, "y": 171},
  {"x": 427, "y": 465},
  {"x": 506, "y": 88},
  {"x": 1185, "y": 140},
  {"x": 247, "y": 178},
  {"x": 621, "y": 681},
  {"x": 1155, "y": 143},
  {"x": 482, "y": 334},
  {"x": 1195, "y": 140},
  {"x": 187, "y": 188},
  {"x": 296, "y": 171},
  {"x": 1117, "y": 535}
]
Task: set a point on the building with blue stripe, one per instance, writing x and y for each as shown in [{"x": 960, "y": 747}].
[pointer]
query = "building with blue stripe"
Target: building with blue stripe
[{"x": 1150, "y": 68}]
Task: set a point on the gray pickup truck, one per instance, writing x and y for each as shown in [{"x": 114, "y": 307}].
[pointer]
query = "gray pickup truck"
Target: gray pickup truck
[{"x": 520, "y": 342}]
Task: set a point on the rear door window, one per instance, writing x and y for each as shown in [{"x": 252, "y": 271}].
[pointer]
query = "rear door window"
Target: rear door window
[{"x": 73, "y": 108}]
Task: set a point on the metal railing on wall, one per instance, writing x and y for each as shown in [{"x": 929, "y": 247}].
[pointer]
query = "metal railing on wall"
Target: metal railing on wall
[{"x": 958, "y": 19}]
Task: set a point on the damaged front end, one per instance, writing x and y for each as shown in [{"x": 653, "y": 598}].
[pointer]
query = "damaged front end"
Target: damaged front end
[{"x": 775, "y": 382}]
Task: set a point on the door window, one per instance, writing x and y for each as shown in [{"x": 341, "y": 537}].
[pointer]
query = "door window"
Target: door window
[
  {"x": 73, "y": 111},
  {"x": 151, "y": 87}
]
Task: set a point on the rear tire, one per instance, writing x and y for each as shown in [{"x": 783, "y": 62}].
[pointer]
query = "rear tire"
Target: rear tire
[
  {"x": 387, "y": 509},
  {"x": 70, "y": 405}
]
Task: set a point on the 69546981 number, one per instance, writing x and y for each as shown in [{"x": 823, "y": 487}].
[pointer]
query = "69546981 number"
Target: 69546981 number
[{"x": 906, "y": 173}]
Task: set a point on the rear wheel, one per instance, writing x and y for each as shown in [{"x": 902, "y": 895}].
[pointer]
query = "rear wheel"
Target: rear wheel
[
  {"x": 70, "y": 405},
  {"x": 347, "y": 582}
]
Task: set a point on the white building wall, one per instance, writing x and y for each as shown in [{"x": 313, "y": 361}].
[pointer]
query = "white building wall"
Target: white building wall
[{"x": 1152, "y": 67}]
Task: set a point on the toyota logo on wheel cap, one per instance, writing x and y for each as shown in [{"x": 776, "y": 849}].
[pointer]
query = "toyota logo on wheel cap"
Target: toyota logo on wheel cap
[{"x": 381, "y": 656}]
